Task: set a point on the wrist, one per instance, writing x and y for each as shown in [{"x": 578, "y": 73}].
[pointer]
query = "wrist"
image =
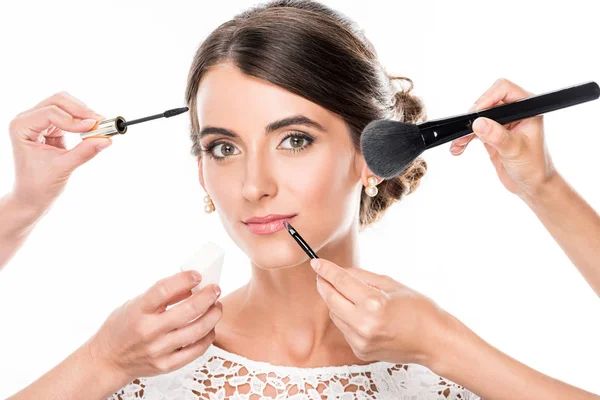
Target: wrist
[
  {"x": 113, "y": 376},
  {"x": 33, "y": 205},
  {"x": 455, "y": 341},
  {"x": 18, "y": 218},
  {"x": 545, "y": 191}
]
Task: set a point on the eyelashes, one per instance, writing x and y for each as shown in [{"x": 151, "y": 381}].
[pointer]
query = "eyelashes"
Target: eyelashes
[{"x": 220, "y": 144}]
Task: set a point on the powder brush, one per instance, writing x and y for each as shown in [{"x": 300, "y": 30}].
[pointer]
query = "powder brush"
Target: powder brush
[{"x": 389, "y": 147}]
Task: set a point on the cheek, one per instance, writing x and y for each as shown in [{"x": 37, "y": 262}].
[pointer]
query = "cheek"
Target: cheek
[
  {"x": 221, "y": 182},
  {"x": 322, "y": 185}
]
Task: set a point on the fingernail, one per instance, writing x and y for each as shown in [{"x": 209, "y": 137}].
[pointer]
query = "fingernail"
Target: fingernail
[
  {"x": 88, "y": 121},
  {"x": 217, "y": 290},
  {"x": 457, "y": 146},
  {"x": 480, "y": 125},
  {"x": 104, "y": 144},
  {"x": 315, "y": 264},
  {"x": 473, "y": 107},
  {"x": 196, "y": 276}
]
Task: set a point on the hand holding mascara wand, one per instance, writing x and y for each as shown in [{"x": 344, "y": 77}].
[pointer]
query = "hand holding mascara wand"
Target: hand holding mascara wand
[
  {"x": 118, "y": 125},
  {"x": 42, "y": 163}
]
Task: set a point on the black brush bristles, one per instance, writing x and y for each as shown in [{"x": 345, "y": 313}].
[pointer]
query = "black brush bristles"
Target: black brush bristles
[
  {"x": 390, "y": 146},
  {"x": 175, "y": 111}
]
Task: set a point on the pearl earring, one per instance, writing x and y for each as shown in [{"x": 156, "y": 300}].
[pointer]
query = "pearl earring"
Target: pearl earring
[
  {"x": 208, "y": 205},
  {"x": 371, "y": 189}
]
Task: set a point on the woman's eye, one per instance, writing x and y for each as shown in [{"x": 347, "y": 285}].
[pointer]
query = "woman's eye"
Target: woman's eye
[
  {"x": 221, "y": 150},
  {"x": 296, "y": 142}
]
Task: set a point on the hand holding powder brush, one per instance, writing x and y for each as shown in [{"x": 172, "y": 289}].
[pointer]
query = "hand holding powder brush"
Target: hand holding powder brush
[{"x": 389, "y": 147}]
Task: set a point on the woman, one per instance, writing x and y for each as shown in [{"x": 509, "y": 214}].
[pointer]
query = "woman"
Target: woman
[{"x": 278, "y": 97}]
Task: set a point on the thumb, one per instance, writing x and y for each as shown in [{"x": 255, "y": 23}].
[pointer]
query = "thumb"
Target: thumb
[
  {"x": 84, "y": 151},
  {"x": 489, "y": 131}
]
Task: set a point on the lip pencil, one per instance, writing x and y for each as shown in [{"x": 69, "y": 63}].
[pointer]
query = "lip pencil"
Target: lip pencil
[{"x": 299, "y": 239}]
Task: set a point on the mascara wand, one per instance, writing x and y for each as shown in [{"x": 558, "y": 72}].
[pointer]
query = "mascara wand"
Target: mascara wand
[{"x": 118, "y": 125}]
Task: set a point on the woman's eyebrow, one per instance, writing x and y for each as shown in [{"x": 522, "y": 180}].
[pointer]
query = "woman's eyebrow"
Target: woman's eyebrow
[
  {"x": 273, "y": 126},
  {"x": 293, "y": 120}
]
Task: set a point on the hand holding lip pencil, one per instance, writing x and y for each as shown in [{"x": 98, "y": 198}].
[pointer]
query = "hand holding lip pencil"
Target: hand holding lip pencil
[{"x": 383, "y": 319}]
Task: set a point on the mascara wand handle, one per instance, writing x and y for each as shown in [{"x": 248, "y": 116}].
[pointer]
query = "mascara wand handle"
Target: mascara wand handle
[{"x": 437, "y": 132}]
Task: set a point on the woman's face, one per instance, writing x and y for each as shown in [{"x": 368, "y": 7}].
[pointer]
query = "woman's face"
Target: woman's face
[{"x": 271, "y": 152}]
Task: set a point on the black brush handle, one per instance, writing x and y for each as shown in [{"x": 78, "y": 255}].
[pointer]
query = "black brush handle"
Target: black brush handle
[{"x": 437, "y": 132}]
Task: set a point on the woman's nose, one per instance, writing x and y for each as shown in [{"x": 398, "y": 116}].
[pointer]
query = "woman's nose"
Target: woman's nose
[{"x": 258, "y": 180}]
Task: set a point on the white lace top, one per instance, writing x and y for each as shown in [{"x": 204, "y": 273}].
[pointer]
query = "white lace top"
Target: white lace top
[{"x": 219, "y": 374}]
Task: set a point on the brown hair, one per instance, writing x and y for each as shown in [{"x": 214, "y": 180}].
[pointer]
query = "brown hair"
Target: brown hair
[{"x": 317, "y": 53}]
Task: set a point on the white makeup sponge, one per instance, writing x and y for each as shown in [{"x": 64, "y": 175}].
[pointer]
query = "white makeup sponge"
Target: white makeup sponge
[{"x": 209, "y": 262}]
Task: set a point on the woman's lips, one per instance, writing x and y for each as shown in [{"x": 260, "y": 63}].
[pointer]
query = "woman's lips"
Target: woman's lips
[{"x": 268, "y": 227}]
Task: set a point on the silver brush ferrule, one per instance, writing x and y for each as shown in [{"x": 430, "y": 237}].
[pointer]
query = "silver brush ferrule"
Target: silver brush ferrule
[{"x": 106, "y": 128}]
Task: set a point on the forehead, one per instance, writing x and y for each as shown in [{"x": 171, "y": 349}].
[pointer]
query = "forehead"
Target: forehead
[{"x": 227, "y": 97}]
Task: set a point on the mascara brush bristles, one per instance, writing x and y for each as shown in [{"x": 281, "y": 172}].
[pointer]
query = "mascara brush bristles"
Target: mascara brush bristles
[{"x": 166, "y": 114}]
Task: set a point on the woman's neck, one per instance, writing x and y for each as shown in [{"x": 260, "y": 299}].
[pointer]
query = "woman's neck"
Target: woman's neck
[{"x": 281, "y": 312}]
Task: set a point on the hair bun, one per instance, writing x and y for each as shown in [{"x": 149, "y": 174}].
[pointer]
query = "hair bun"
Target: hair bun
[{"x": 407, "y": 107}]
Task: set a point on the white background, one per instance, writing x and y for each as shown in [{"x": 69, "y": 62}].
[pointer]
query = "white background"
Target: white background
[{"x": 133, "y": 214}]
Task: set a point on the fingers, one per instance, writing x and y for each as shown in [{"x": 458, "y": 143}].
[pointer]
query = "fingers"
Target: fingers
[
  {"x": 382, "y": 282},
  {"x": 69, "y": 103},
  {"x": 502, "y": 90},
  {"x": 177, "y": 299},
  {"x": 189, "y": 353},
  {"x": 83, "y": 152},
  {"x": 189, "y": 309},
  {"x": 509, "y": 145},
  {"x": 341, "y": 324},
  {"x": 195, "y": 330},
  {"x": 29, "y": 126},
  {"x": 64, "y": 101},
  {"x": 338, "y": 304},
  {"x": 459, "y": 145},
  {"x": 345, "y": 283},
  {"x": 167, "y": 289}
]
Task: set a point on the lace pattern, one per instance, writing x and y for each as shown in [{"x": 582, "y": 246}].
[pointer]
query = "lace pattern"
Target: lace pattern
[{"x": 219, "y": 375}]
